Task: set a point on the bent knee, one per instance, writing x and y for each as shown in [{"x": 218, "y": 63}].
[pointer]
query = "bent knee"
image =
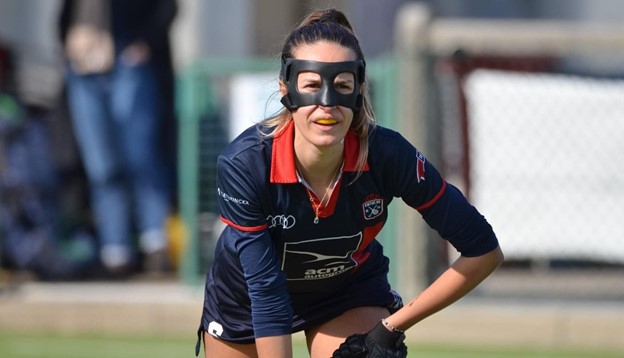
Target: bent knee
[
  {"x": 215, "y": 347},
  {"x": 323, "y": 339}
]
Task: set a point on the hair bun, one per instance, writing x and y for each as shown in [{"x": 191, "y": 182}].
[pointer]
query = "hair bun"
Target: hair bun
[{"x": 330, "y": 15}]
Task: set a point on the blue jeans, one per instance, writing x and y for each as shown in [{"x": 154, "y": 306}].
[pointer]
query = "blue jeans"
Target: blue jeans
[{"x": 117, "y": 121}]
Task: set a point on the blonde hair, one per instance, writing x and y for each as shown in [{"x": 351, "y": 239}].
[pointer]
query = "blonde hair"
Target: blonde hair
[{"x": 328, "y": 25}]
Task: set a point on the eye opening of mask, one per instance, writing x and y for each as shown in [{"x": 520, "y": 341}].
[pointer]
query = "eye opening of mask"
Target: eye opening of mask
[
  {"x": 331, "y": 83},
  {"x": 311, "y": 82}
]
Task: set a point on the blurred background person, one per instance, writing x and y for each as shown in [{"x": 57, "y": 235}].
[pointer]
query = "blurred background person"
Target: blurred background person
[{"x": 119, "y": 79}]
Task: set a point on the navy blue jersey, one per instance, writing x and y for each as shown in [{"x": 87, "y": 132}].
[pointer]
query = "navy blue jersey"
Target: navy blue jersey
[{"x": 280, "y": 266}]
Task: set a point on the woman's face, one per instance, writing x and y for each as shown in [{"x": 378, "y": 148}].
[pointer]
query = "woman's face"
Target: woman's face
[{"x": 316, "y": 124}]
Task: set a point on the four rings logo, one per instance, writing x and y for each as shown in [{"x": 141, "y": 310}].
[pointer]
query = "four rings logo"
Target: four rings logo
[
  {"x": 227, "y": 197},
  {"x": 286, "y": 222}
]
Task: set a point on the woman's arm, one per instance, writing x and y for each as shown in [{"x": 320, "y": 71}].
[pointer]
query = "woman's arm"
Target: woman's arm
[
  {"x": 274, "y": 347},
  {"x": 464, "y": 275}
]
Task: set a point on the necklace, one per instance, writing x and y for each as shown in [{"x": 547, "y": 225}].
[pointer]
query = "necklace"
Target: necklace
[{"x": 317, "y": 207}]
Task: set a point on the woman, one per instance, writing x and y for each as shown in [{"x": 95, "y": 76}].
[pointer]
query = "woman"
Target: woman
[{"x": 304, "y": 194}]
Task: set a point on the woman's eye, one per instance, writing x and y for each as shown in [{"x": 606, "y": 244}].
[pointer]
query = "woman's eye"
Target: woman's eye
[
  {"x": 308, "y": 81},
  {"x": 344, "y": 83},
  {"x": 309, "y": 86},
  {"x": 344, "y": 87}
]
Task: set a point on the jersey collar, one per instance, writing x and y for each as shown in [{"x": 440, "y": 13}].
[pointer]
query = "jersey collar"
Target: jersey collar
[{"x": 283, "y": 169}]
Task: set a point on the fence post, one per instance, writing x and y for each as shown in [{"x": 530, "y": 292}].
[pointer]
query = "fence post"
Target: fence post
[
  {"x": 188, "y": 173},
  {"x": 421, "y": 248}
]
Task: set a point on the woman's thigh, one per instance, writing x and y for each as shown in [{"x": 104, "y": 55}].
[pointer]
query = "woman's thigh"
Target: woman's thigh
[
  {"x": 325, "y": 338},
  {"x": 217, "y": 348}
]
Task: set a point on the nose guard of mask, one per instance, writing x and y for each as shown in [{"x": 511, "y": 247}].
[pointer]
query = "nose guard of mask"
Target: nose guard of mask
[{"x": 326, "y": 94}]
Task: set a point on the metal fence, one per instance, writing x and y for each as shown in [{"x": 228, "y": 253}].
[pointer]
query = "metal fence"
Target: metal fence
[{"x": 528, "y": 119}]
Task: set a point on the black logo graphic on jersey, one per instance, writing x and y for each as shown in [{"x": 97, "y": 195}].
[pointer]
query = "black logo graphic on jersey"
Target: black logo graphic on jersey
[
  {"x": 320, "y": 258},
  {"x": 373, "y": 207}
]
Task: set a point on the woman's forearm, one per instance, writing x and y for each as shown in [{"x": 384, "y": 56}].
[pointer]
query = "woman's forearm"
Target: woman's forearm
[{"x": 463, "y": 276}]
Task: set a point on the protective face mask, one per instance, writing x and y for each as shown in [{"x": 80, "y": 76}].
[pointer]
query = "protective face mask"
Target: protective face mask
[{"x": 327, "y": 94}]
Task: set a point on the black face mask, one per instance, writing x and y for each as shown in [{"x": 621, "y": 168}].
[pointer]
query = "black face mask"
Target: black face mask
[{"x": 326, "y": 95}]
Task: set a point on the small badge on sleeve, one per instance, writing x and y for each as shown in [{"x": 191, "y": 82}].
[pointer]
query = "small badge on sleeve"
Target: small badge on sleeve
[{"x": 420, "y": 166}]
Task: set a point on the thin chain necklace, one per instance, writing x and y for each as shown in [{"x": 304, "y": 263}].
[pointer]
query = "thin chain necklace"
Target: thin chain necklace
[
  {"x": 331, "y": 185},
  {"x": 316, "y": 207}
]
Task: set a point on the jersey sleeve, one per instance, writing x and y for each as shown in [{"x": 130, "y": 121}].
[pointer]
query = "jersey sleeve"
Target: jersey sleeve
[
  {"x": 248, "y": 238},
  {"x": 271, "y": 311},
  {"x": 239, "y": 197},
  {"x": 442, "y": 205}
]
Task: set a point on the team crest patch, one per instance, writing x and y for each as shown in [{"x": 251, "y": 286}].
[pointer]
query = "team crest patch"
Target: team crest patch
[{"x": 373, "y": 207}]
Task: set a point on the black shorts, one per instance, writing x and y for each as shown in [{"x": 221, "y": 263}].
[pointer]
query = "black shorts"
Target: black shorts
[{"x": 230, "y": 318}]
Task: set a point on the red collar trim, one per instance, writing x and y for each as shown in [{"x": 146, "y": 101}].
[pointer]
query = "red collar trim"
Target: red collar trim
[{"x": 283, "y": 169}]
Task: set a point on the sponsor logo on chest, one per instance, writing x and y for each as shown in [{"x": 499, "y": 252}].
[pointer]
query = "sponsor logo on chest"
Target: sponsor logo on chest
[{"x": 320, "y": 258}]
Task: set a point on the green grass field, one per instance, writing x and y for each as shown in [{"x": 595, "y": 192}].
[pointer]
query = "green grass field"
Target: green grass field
[{"x": 27, "y": 345}]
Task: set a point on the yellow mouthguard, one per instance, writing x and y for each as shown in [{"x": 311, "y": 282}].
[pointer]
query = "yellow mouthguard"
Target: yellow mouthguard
[{"x": 326, "y": 121}]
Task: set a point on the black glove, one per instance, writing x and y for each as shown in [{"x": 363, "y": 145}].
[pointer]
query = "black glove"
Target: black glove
[
  {"x": 353, "y": 347},
  {"x": 378, "y": 343}
]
